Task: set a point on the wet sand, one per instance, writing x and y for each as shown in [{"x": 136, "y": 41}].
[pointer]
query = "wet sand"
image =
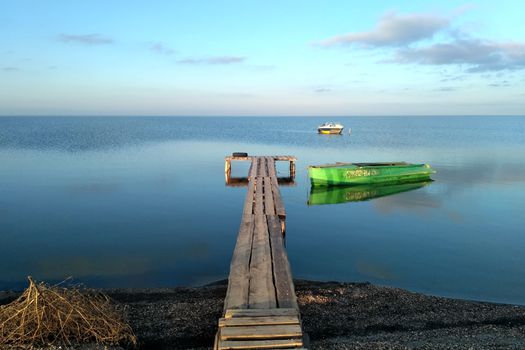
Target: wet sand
[{"x": 335, "y": 316}]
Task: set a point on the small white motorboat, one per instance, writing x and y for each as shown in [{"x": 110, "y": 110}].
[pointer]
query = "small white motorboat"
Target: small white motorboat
[{"x": 330, "y": 128}]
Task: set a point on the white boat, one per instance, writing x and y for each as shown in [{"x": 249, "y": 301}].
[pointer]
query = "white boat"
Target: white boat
[{"x": 330, "y": 128}]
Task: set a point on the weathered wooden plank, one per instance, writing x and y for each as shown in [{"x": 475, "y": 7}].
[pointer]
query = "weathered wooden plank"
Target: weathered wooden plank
[
  {"x": 250, "y": 171},
  {"x": 216, "y": 342},
  {"x": 238, "y": 158},
  {"x": 253, "y": 168},
  {"x": 249, "y": 201},
  {"x": 268, "y": 165},
  {"x": 278, "y": 202},
  {"x": 259, "y": 199},
  {"x": 258, "y": 320},
  {"x": 264, "y": 166},
  {"x": 284, "y": 158},
  {"x": 261, "y": 332},
  {"x": 262, "y": 169},
  {"x": 269, "y": 206},
  {"x": 259, "y": 165},
  {"x": 282, "y": 272},
  {"x": 260, "y": 312},
  {"x": 261, "y": 344},
  {"x": 243, "y": 159},
  {"x": 262, "y": 290},
  {"x": 272, "y": 172},
  {"x": 239, "y": 279}
]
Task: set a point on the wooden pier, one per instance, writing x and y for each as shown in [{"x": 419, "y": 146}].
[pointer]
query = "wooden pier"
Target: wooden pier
[{"x": 260, "y": 309}]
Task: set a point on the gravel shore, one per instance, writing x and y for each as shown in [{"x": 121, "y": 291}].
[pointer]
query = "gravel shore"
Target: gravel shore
[{"x": 335, "y": 316}]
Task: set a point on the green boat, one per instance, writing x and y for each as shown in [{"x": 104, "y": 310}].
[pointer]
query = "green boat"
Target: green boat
[
  {"x": 342, "y": 194},
  {"x": 347, "y": 174}
]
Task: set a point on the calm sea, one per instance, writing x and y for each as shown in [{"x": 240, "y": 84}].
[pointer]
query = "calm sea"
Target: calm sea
[{"x": 141, "y": 202}]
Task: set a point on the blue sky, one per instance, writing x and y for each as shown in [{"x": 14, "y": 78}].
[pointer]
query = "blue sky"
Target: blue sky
[{"x": 262, "y": 58}]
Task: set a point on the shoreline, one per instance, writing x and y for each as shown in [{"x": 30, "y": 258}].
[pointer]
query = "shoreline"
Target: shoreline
[{"x": 335, "y": 315}]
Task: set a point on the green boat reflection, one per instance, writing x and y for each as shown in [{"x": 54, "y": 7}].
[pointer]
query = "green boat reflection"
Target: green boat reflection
[{"x": 343, "y": 194}]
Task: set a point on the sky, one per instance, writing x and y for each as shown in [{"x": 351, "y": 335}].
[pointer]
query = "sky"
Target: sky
[{"x": 275, "y": 58}]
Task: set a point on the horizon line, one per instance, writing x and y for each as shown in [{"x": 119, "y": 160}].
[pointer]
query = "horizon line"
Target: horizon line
[{"x": 251, "y": 116}]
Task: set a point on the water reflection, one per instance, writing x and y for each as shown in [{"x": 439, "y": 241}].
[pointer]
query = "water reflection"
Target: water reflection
[{"x": 342, "y": 194}]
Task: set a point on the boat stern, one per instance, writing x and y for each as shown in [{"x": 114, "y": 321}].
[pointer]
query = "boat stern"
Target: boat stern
[{"x": 317, "y": 176}]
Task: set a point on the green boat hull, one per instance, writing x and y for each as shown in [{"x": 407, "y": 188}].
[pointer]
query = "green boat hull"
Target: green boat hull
[
  {"x": 342, "y": 194},
  {"x": 348, "y": 174}
]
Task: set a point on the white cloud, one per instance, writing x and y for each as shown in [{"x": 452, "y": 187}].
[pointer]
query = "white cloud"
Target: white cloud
[
  {"x": 478, "y": 55},
  {"x": 86, "y": 39},
  {"x": 214, "y": 60},
  {"x": 405, "y": 35},
  {"x": 161, "y": 49},
  {"x": 393, "y": 30}
]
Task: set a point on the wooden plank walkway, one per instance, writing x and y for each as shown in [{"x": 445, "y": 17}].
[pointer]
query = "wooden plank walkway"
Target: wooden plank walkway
[{"x": 260, "y": 309}]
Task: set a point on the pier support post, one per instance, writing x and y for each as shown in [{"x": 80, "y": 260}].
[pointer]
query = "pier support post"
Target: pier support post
[
  {"x": 227, "y": 170},
  {"x": 292, "y": 169}
]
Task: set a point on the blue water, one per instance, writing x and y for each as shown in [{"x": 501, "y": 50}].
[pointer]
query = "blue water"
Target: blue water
[{"x": 141, "y": 202}]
